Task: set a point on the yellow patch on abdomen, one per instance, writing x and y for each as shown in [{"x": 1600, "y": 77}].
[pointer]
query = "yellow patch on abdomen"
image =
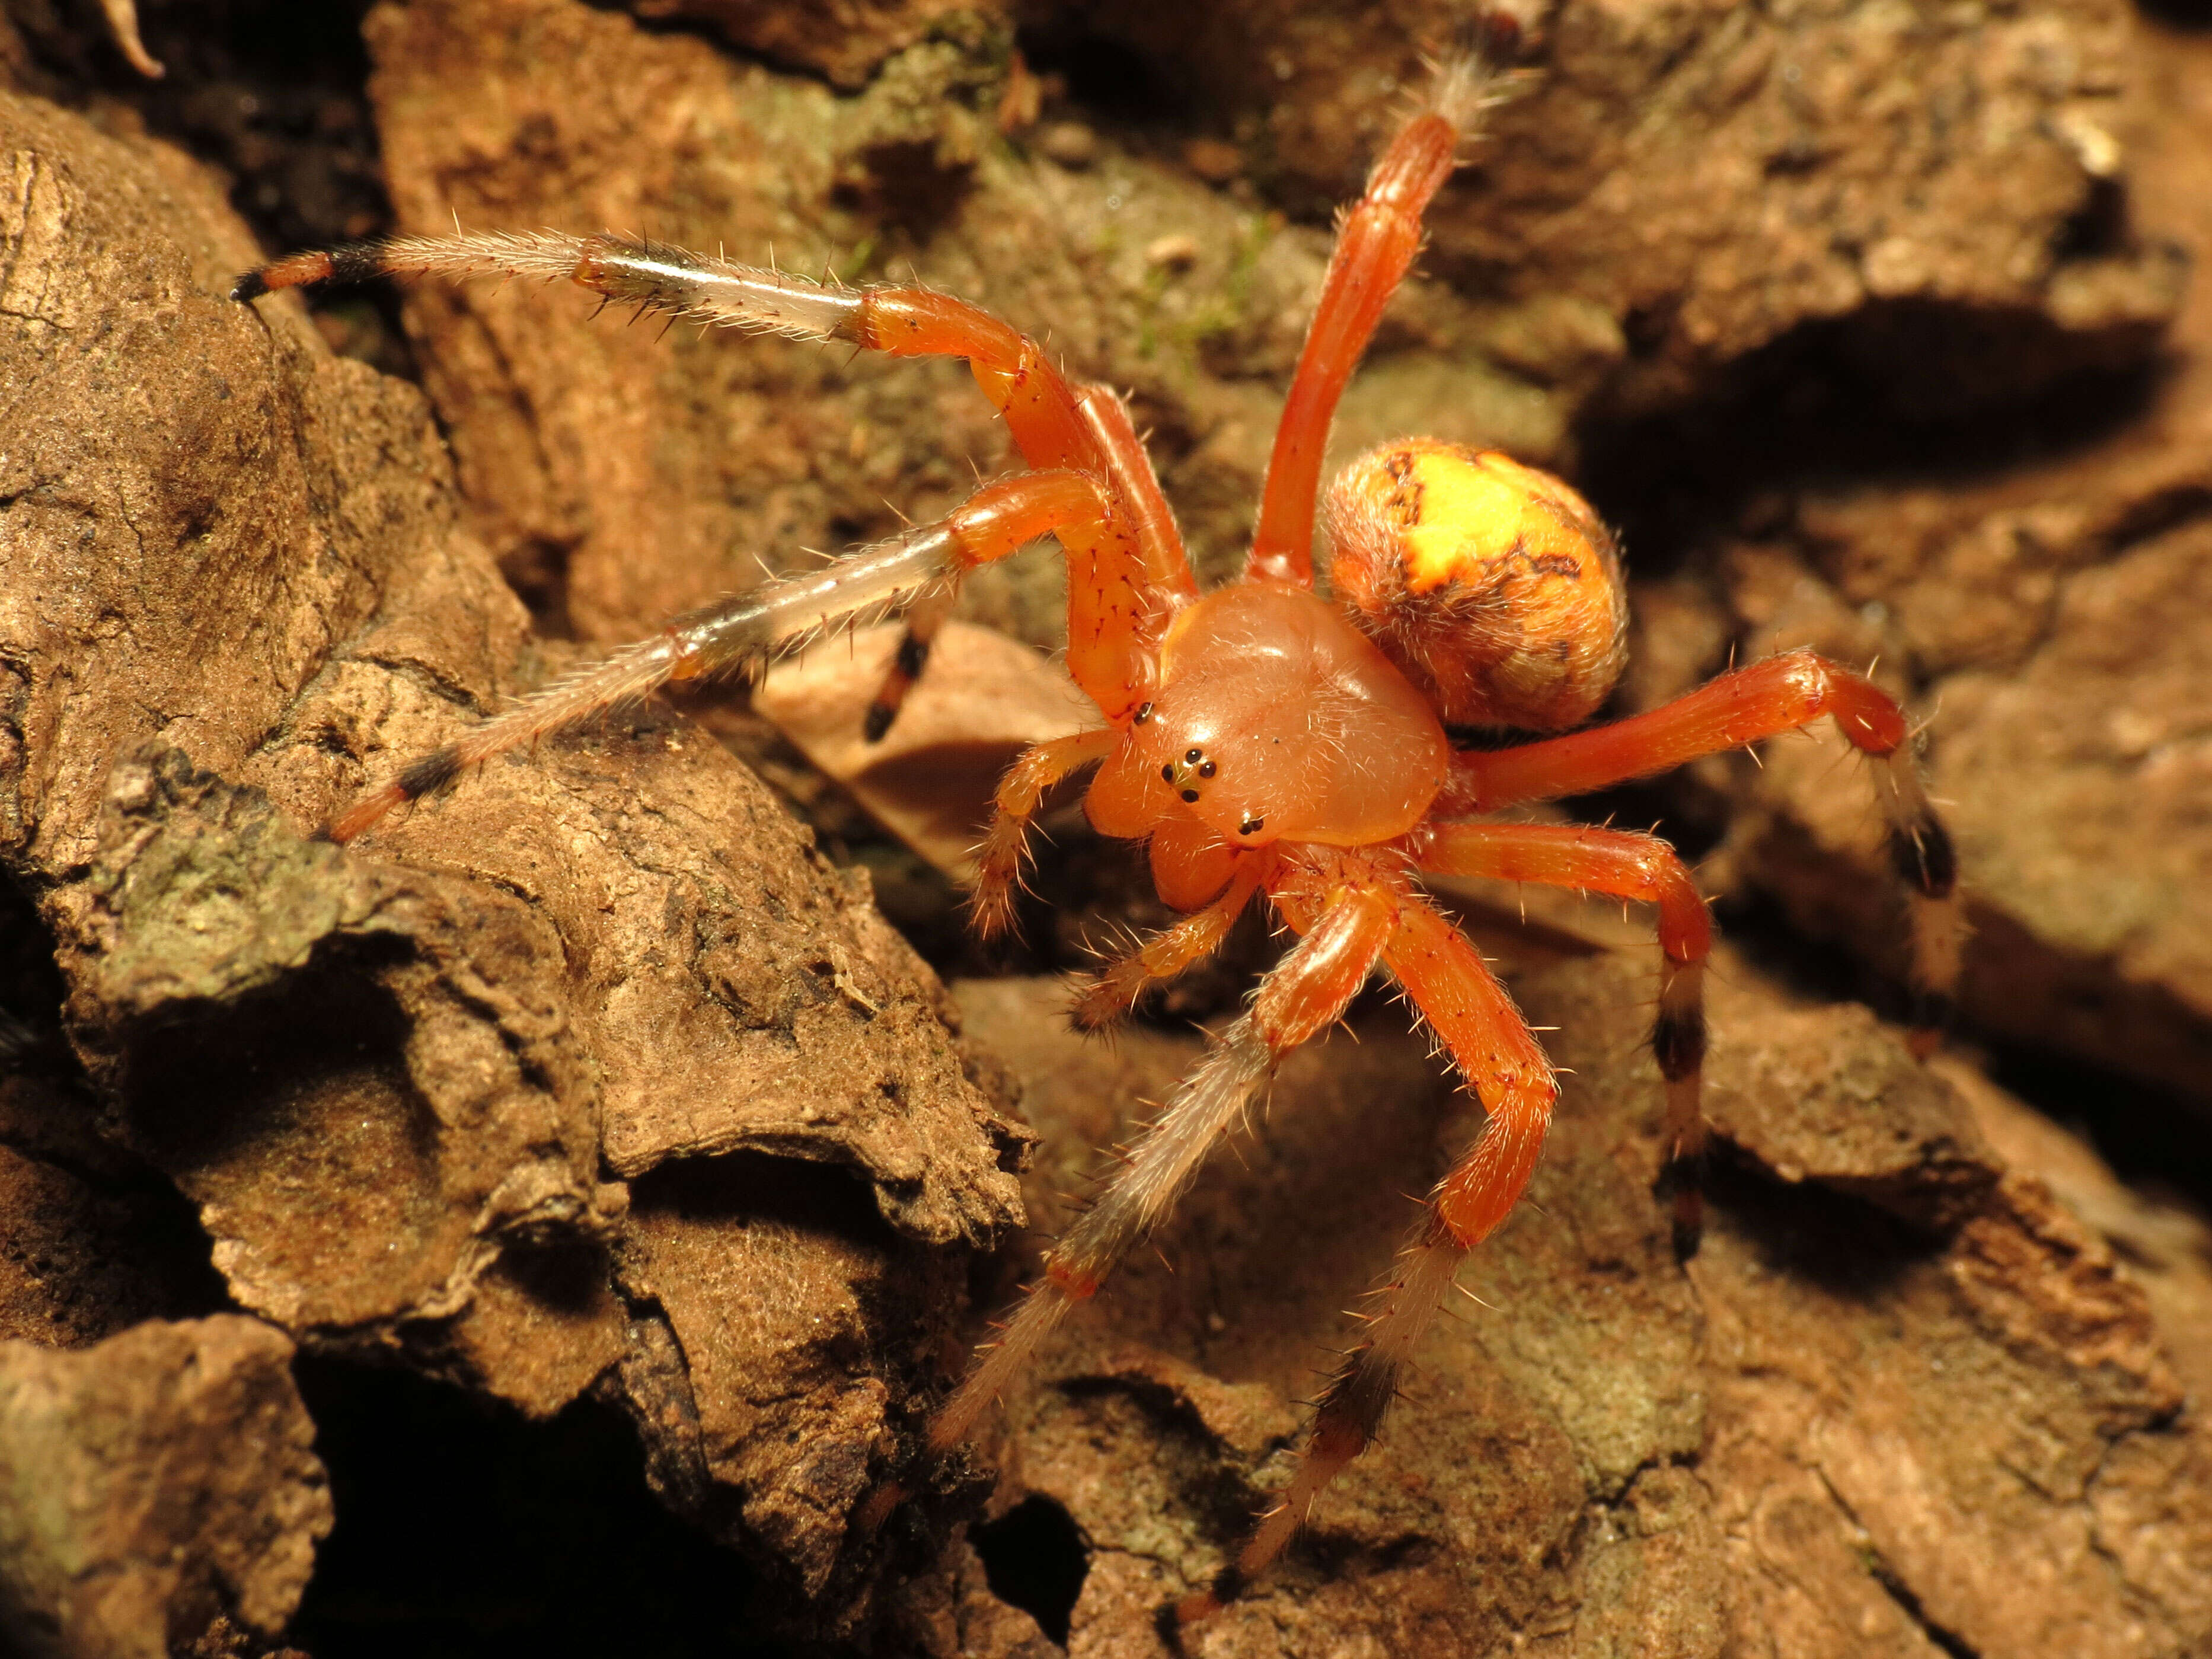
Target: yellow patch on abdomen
[
  {"x": 1491, "y": 585},
  {"x": 1476, "y": 517}
]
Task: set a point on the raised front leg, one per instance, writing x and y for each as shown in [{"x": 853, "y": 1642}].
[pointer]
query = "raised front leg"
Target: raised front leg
[
  {"x": 1376, "y": 240},
  {"x": 1119, "y": 592},
  {"x": 747, "y": 631},
  {"x": 1159, "y": 545}
]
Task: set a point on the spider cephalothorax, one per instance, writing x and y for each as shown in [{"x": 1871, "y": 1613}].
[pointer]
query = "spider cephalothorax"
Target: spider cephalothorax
[{"x": 1264, "y": 741}]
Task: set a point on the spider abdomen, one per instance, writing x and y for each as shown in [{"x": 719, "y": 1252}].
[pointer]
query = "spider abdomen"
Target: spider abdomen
[
  {"x": 1275, "y": 720},
  {"x": 1492, "y": 585}
]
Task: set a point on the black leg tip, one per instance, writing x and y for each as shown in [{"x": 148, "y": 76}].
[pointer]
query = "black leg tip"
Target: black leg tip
[
  {"x": 249, "y": 287},
  {"x": 913, "y": 656},
  {"x": 1497, "y": 38},
  {"x": 1687, "y": 1237},
  {"x": 878, "y": 721},
  {"x": 1924, "y": 855},
  {"x": 430, "y": 773},
  {"x": 1681, "y": 1184},
  {"x": 1167, "y": 1624},
  {"x": 1932, "y": 1011}
]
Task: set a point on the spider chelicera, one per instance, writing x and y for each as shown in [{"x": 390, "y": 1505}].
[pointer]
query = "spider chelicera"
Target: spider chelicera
[{"x": 1261, "y": 740}]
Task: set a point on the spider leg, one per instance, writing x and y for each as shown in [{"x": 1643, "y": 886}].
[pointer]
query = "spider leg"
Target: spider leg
[
  {"x": 1376, "y": 240},
  {"x": 1306, "y": 993},
  {"x": 1631, "y": 867},
  {"x": 1118, "y": 593},
  {"x": 748, "y": 630},
  {"x": 1499, "y": 1056},
  {"x": 1020, "y": 792},
  {"x": 1113, "y": 993},
  {"x": 1167, "y": 566},
  {"x": 1762, "y": 701},
  {"x": 924, "y": 618}
]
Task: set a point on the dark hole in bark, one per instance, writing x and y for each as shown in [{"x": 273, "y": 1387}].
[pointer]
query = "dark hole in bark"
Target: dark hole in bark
[
  {"x": 2180, "y": 14},
  {"x": 1035, "y": 1559},
  {"x": 464, "y": 1529},
  {"x": 1902, "y": 390},
  {"x": 1112, "y": 79},
  {"x": 2155, "y": 1139}
]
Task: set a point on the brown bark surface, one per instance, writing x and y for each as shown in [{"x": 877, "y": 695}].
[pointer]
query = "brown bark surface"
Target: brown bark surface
[
  {"x": 155, "y": 1484},
  {"x": 601, "y": 1094}
]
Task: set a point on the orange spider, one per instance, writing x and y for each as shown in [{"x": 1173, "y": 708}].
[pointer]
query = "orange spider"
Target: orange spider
[{"x": 1260, "y": 739}]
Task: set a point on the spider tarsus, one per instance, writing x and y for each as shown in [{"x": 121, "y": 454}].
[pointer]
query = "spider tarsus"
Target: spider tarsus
[
  {"x": 423, "y": 775},
  {"x": 1496, "y": 37},
  {"x": 1098, "y": 1007},
  {"x": 1681, "y": 1184},
  {"x": 355, "y": 261},
  {"x": 1931, "y": 1015},
  {"x": 1227, "y": 1586},
  {"x": 363, "y": 815},
  {"x": 991, "y": 911},
  {"x": 878, "y": 721},
  {"x": 1687, "y": 1231},
  {"x": 1924, "y": 854}
]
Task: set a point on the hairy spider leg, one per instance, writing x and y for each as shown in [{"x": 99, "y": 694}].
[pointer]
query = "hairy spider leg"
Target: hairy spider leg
[
  {"x": 1114, "y": 992},
  {"x": 1377, "y": 241},
  {"x": 1129, "y": 464},
  {"x": 1115, "y": 611},
  {"x": 1623, "y": 866},
  {"x": 1301, "y": 996},
  {"x": 925, "y": 620},
  {"x": 1502, "y": 1061},
  {"x": 1167, "y": 566},
  {"x": 1020, "y": 792},
  {"x": 749, "y": 628},
  {"x": 1764, "y": 699}
]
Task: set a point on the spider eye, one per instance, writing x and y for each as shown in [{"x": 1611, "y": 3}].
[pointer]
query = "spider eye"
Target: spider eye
[
  {"x": 1194, "y": 756},
  {"x": 1208, "y": 769},
  {"x": 1143, "y": 713},
  {"x": 1251, "y": 826},
  {"x": 1167, "y": 774},
  {"x": 1190, "y": 795}
]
